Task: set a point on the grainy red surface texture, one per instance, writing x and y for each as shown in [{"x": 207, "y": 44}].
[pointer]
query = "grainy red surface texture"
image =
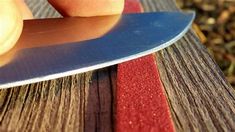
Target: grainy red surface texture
[
  {"x": 141, "y": 103},
  {"x": 132, "y": 6}
]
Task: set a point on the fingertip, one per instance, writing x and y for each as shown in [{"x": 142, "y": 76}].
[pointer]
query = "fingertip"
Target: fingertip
[
  {"x": 87, "y": 8},
  {"x": 24, "y": 9},
  {"x": 11, "y": 25}
]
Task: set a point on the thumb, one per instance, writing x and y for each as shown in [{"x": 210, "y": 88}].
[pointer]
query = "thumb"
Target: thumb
[
  {"x": 25, "y": 11},
  {"x": 11, "y": 24},
  {"x": 12, "y": 13}
]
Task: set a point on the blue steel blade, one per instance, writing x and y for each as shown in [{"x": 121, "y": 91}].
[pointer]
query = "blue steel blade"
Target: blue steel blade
[{"x": 136, "y": 35}]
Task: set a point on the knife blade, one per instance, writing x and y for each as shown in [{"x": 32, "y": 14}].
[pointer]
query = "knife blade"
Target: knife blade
[{"x": 58, "y": 47}]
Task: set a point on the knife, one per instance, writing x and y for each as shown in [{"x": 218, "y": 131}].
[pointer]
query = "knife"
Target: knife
[{"x": 57, "y": 47}]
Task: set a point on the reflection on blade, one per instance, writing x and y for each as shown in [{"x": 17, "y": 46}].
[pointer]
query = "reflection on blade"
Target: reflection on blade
[
  {"x": 126, "y": 37},
  {"x": 48, "y": 32}
]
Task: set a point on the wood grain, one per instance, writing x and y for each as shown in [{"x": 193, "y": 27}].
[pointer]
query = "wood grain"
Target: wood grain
[
  {"x": 200, "y": 97},
  {"x": 198, "y": 94}
]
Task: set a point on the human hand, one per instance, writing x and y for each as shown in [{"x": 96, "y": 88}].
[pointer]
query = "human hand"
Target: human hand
[{"x": 13, "y": 12}]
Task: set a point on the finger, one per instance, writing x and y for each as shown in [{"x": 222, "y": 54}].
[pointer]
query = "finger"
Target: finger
[
  {"x": 88, "y": 7},
  {"x": 25, "y": 11},
  {"x": 18, "y": 11},
  {"x": 11, "y": 24},
  {"x": 94, "y": 27}
]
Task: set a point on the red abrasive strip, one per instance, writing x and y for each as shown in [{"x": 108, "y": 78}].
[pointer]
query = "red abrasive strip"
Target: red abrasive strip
[
  {"x": 141, "y": 103},
  {"x": 132, "y": 6}
]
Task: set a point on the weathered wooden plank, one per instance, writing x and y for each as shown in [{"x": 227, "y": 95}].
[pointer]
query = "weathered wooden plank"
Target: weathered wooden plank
[
  {"x": 46, "y": 106},
  {"x": 200, "y": 97},
  {"x": 99, "y": 111}
]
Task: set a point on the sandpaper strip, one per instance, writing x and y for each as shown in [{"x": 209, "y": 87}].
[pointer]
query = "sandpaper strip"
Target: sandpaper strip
[{"x": 141, "y": 103}]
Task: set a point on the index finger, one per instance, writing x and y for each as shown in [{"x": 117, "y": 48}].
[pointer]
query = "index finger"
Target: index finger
[{"x": 88, "y": 7}]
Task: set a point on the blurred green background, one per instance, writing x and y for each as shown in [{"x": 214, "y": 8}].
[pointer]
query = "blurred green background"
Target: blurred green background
[{"x": 215, "y": 26}]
